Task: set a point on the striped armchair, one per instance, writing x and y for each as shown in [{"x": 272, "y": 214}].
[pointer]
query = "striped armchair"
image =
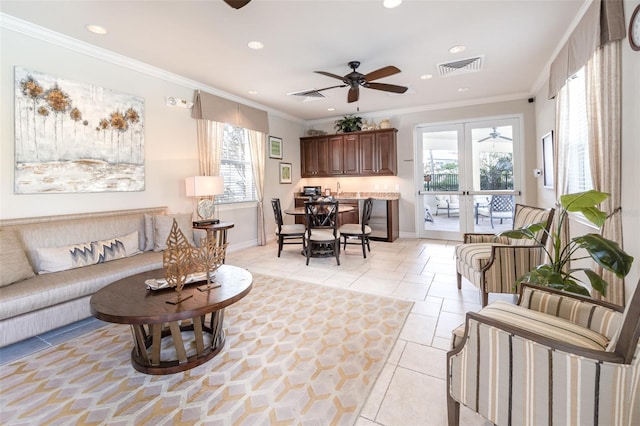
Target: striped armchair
[
  {"x": 553, "y": 359},
  {"x": 493, "y": 264}
]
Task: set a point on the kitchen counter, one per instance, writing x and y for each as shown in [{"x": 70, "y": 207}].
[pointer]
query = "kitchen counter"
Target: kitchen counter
[{"x": 360, "y": 195}]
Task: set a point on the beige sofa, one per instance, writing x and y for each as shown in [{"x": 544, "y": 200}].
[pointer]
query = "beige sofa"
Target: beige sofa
[{"x": 50, "y": 266}]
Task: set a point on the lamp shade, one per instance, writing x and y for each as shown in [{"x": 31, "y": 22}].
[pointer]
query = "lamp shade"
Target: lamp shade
[{"x": 204, "y": 186}]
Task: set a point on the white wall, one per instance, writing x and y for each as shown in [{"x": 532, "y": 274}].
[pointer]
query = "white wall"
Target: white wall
[
  {"x": 545, "y": 119},
  {"x": 170, "y": 139}
]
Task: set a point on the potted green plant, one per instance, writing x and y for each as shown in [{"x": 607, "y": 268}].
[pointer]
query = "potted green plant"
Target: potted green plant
[
  {"x": 349, "y": 123},
  {"x": 557, "y": 272}
]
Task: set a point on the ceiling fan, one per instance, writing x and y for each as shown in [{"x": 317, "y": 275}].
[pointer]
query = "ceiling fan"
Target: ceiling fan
[
  {"x": 494, "y": 134},
  {"x": 237, "y": 4},
  {"x": 354, "y": 80}
]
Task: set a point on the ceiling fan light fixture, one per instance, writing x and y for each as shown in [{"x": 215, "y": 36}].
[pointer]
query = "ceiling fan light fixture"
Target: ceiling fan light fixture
[{"x": 390, "y": 4}]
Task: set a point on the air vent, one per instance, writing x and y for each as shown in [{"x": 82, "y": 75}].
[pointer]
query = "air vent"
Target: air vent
[{"x": 461, "y": 66}]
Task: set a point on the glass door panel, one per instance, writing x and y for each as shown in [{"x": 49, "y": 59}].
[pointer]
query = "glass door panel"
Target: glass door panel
[
  {"x": 491, "y": 171},
  {"x": 440, "y": 188},
  {"x": 466, "y": 178}
]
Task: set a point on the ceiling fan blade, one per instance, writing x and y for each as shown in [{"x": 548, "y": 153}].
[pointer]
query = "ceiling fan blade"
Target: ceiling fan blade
[
  {"x": 484, "y": 139},
  {"x": 314, "y": 92},
  {"x": 386, "y": 87},
  {"x": 354, "y": 94},
  {"x": 237, "y": 4},
  {"x": 505, "y": 138},
  {"x": 381, "y": 73},
  {"x": 328, "y": 74}
]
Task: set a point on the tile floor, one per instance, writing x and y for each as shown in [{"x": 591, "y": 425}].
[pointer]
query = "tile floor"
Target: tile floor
[{"x": 411, "y": 389}]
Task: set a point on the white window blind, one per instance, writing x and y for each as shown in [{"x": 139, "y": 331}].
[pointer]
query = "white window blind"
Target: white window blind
[
  {"x": 236, "y": 167},
  {"x": 576, "y": 133}
]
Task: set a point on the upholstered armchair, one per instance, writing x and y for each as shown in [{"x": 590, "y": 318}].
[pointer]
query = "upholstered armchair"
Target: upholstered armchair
[
  {"x": 493, "y": 264},
  {"x": 555, "y": 358}
]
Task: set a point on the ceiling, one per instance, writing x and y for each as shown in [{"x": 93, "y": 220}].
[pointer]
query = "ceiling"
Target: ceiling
[{"x": 206, "y": 41}]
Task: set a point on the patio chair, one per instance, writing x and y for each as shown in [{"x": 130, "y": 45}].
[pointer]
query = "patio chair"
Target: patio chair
[
  {"x": 450, "y": 203},
  {"x": 493, "y": 264},
  {"x": 499, "y": 207},
  {"x": 555, "y": 358}
]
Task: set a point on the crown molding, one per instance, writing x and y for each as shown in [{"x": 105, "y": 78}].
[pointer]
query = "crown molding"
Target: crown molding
[
  {"x": 46, "y": 35},
  {"x": 434, "y": 107}
]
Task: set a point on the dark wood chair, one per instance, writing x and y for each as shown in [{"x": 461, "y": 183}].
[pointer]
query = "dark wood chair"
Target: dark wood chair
[
  {"x": 322, "y": 237},
  {"x": 286, "y": 233},
  {"x": 360, "y": 231}
]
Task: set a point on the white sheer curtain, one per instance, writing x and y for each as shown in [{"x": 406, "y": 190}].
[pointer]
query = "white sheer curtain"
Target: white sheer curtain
[
  {"x": 257, "y": 142},
  {"x": 209, "y": 135},
  {"x": 561, "y": 155},
  {"x": 604, "y": 108}
]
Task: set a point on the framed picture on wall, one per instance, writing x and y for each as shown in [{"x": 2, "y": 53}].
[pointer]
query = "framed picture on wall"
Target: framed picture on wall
[
  {"x": 547, "y": 160},
  {"x": 285, "y": 172},
  {"x": 275, "y": 147}
]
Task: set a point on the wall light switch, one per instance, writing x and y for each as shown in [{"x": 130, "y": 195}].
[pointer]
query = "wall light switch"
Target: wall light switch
[{"x": 537, "y": 172}]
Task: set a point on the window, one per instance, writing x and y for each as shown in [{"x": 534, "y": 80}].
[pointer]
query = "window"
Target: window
[
  {"x": 236, "y": 167},
  {"x": 575, "y": 131}
]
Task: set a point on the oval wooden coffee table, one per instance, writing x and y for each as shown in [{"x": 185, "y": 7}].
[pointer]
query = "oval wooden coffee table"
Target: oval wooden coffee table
[{"x": 171, "y": 338}]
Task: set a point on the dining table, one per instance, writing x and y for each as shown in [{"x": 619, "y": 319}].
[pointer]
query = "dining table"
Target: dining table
[{"x": 299, "y": 211}]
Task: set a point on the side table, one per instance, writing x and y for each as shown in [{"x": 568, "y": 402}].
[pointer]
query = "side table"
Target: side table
[{"x": 217, "y": 232}]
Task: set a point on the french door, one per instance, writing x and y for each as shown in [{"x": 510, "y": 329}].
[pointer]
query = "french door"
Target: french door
[{"x": 467, "y": 177}]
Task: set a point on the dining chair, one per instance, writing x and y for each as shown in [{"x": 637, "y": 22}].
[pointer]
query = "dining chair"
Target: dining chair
[
  {"x": 360, "y": 231},
  {"x": 555, "y": 358},
  {"x": 322, "y": 237},
  {"x": 286, "y": 233},
  {"x": 494, "y": 264}
]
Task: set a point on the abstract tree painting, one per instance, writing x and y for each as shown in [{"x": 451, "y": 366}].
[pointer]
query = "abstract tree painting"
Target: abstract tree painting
[{"x": 76, "y": 137}]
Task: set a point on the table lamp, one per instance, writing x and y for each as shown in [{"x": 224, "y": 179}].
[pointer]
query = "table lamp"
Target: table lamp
[{"x": 205, "y": 186}]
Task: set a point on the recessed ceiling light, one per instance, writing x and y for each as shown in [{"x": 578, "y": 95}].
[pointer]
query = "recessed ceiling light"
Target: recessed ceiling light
[
  {"x": 331, "y": 109},
  {"x": 253, "y": 92},
  {"x": 463, "y": 89},
  {"x": 457, "y": 49},
  {"x": 96, "y": 29},
  {"x": 255, "y": 45},
  {"x": 426, "y": 76},
  {"x": 390, "y": 4}
]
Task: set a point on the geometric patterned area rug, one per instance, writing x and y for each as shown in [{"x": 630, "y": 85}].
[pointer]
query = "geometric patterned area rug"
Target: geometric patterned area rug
[{"x": 295, "y": 353}]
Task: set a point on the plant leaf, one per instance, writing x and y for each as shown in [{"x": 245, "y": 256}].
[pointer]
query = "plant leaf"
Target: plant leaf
[
  {"x": 581, "y": 200},
  {"x": 594, "y": 215},
  {"x": 597, "y": 283},
  {"x": 606, "y": 253},
  {"x": 528, "y": 232}
]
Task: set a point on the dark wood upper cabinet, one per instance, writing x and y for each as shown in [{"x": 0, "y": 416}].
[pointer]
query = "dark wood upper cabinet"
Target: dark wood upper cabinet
[
  {"x": 351, "y": 154},
  {"x": 314, "y": 157},
  {"x": 343, "y": 155}
]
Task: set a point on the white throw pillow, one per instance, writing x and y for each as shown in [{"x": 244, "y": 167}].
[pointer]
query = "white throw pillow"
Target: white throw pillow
[
  {"x": 57, "y": 259},
  {"x": 116, "y": 248},
  {"x": 162, "y": 227}
]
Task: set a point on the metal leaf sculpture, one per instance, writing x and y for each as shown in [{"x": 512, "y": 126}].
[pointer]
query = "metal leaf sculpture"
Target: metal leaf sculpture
[
  {"x": 208, "y": 258},
  {"x": 177, "y": 261}
]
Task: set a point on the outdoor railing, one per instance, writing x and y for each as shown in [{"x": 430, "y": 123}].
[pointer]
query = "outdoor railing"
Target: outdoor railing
[{"x": 449, "y": 181}]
